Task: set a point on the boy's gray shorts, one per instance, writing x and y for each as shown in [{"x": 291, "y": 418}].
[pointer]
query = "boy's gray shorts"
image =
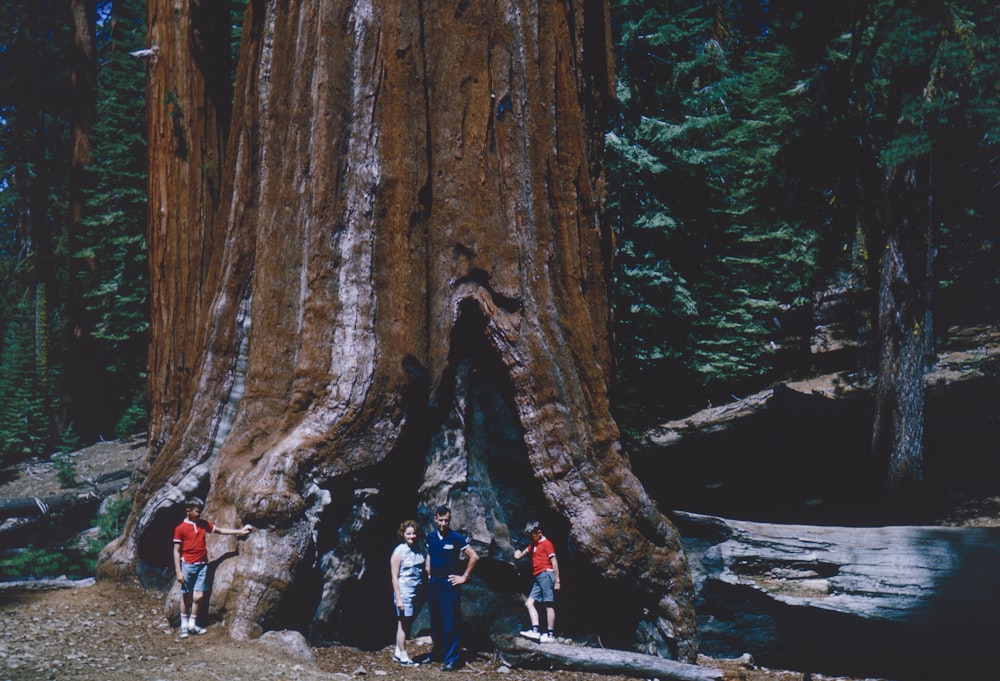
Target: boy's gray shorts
[{"x": 542, "y": 589}]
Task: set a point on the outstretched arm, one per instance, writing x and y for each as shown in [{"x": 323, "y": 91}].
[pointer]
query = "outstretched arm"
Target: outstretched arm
[{"x": 241, "y": 531}]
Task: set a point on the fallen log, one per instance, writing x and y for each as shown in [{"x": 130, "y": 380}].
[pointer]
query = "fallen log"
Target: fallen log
[
  {"x": 61, "y": 582},
  {"x": 37, "y": 506},
  {"x": 26, "y": 507},
  {"x": 522, "y": 653},
  {"x": 886, "y": 573},
  {"x": 897, "y": 601}
]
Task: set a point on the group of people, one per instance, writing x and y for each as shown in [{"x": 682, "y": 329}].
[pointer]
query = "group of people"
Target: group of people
[
  {"x": 438, "y": 558},
  {"x": 445, "y": 574}
]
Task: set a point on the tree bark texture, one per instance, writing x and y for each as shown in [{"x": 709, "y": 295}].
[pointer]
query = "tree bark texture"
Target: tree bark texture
[
  {"x": 188, "y": 95},
  {"x": 411, "y": 309},
  {"x": 903, "y": 330}
]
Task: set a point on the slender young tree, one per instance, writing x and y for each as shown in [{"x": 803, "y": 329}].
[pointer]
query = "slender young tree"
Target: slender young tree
[{"x": 81, "y": 386}]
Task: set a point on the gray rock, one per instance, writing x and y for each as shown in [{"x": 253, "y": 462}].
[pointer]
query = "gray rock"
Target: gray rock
[{"x": 291, "y": 643}]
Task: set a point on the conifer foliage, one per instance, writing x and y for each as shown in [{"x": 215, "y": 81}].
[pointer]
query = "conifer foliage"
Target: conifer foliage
[
  {"x": 750, "y": 165},
  {"x": 44, "y": 265},
  {"x": 712, "y": 256},
  {"x": 114, "y": 248},
  {"x": 768, "y": 150}
]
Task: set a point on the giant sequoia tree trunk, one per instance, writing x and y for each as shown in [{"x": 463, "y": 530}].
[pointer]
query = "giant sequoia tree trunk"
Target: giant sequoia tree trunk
[
  {"x": 188, "y": 97},
  {"x": 412, "y": 310}
]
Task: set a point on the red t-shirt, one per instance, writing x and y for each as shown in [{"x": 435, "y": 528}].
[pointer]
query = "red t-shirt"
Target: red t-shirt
[
  {"x": 191, "y": 537},
  {"x": 541, "y": 556}
]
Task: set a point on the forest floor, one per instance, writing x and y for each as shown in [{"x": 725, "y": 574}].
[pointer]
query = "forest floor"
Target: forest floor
[
  {"x": 115, "y": 632},
  {"x": 119, "y": 632}
]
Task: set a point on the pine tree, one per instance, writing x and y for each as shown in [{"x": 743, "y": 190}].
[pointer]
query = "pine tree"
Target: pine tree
[
  {"x": 115, "y": 245},
  {"x": 710, "y": 255},
  {"x": 34, "y": 163}
]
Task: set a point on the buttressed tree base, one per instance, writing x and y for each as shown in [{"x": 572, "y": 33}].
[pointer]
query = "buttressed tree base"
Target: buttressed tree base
[{"x": 407, "y": 306}]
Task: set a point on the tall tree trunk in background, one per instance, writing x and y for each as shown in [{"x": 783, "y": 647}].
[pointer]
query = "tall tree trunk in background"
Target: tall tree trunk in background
[
  {"x": 188, "y": 96},
  {"x": 903, "y": 329},
  {"x": 83, "y": 373},
  {"x": 410, "y": 309}
]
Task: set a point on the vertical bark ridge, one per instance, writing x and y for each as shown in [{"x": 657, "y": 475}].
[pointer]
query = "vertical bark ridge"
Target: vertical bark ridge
[{"x": 384, "y": 186}]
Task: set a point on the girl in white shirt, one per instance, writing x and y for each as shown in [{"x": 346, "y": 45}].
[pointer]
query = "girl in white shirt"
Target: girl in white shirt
[{"x": 407, "y": 565}]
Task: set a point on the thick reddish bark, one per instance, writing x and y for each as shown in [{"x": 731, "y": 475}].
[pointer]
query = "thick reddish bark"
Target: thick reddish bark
[
  {"x": 188, "y": 96},
  {"x": 412, "y": 306}
]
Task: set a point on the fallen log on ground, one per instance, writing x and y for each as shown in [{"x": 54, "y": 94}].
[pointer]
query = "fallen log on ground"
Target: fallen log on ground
[
  {"x": 887, "y": 573},
  {"x": 27, "y": 507},
  {"x": 45, "y": 584},
  {"x": 37, "y": 506},
  {"x": 522, "y": 653},
  {"x": 896, "y": 601}
]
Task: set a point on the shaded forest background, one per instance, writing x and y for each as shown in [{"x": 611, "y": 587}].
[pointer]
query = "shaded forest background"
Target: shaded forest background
[{"x": 764, "y": 159}]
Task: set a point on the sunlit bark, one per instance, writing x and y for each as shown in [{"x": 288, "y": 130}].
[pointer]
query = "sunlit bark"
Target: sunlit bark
[{"x": 411, "y": 306}]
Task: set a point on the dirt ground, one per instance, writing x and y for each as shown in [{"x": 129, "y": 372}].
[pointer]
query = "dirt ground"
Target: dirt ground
[{"x": 111, "y": 632}]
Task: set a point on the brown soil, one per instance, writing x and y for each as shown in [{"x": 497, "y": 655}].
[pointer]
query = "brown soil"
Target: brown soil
[{"x": 120, "y": 633}]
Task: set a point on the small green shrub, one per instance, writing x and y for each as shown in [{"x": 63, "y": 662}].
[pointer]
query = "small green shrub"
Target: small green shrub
[
  {"x": 36, "y": 562},
  {"x": 111, "y": 523},
  {"x": 65, "y": 465},
  {"x": 133, "y": 419}
]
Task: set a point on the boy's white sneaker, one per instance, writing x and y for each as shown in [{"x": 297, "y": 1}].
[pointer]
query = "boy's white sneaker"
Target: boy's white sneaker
[
  {"x": 184, "y": 632},
  {"x": 195, "y": 629},
  {"x": 532, "y": 634},
  {"x": 546, "y": 638}
]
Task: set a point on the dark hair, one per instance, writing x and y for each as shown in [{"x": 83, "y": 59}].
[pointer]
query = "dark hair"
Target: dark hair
[
  {"x": 408, "y": 523},
  {"x": 194, "y": 502},
  {"x": 532, "y": 526},
  {"x": 442, "y": 510}
]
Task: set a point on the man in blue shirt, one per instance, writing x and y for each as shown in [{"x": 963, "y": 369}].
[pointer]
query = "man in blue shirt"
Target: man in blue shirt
[{"x": 444, "y": 595}]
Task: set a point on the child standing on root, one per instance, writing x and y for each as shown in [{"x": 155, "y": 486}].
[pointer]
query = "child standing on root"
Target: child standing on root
[
  {"x": 545, "y": 569},
  {"x": 191, "y": 561}
]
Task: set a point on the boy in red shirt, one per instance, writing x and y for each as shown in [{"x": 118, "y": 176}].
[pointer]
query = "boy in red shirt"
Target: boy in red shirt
[
  {"x": 545, "y": 568},
  {"x": 191, "y": 561}
]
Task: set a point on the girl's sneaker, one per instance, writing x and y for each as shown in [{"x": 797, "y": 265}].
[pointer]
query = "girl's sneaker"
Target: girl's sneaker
[{"x": 402, "y": 658}]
